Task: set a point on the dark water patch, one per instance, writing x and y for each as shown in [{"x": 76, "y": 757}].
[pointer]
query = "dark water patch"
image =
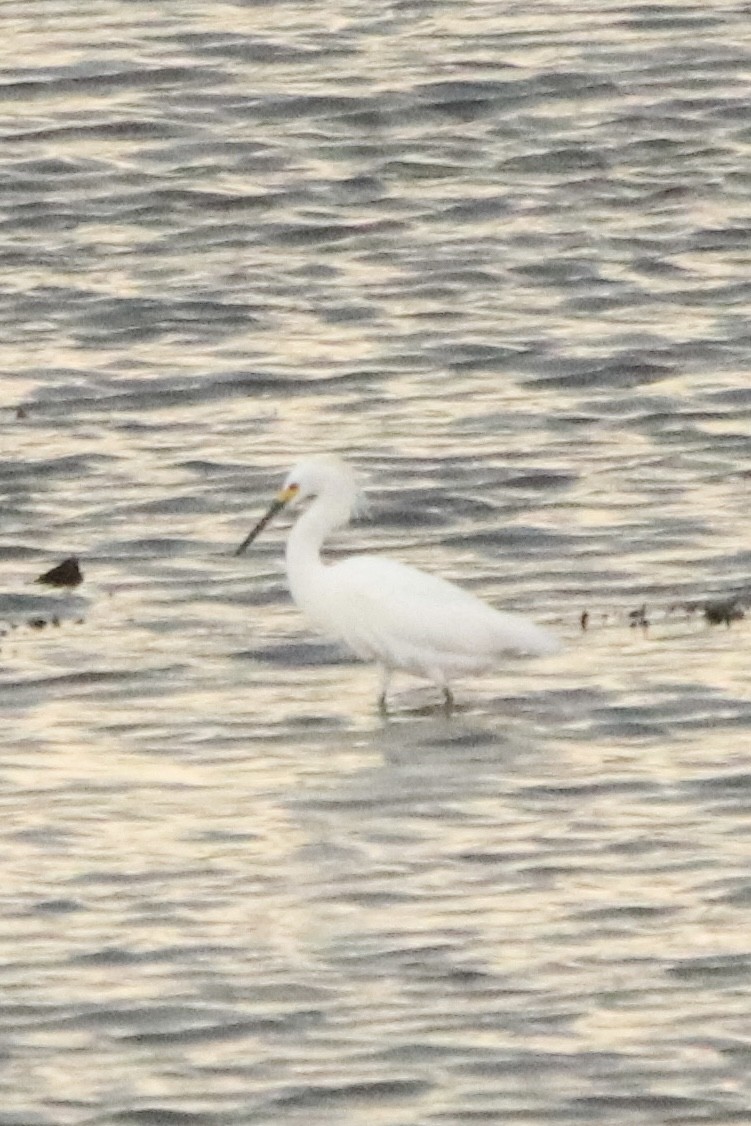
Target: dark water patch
[
  {"x": 25, "y": 1117},
  {"x": 536, "y": 479},
  {"x": 156, "y": 129},
  {"x": 498, "y": 857},
  {"x": 737, "y": 783},
  {"x": 84, "y": 683},
  {"x": 612, "y": 785},
  {"x": 364, "y": 188},
  {"x": 655, "y": 149},
  {"x": 217, "y": 1033},
  {"x": 458, "y": 109},
  {"x": 466, "y": 90},
  {"x": 521, "y": 541},
  {"x": 661, "y": 420},
  {"x": 210, "y": 470},
  {"x": 162, "y": 547},
  {"x": 140, "y": 319},
  {"x": 462, "y": 276},
  {"x": 732, "y": 399},
  {"x": 416, "y": 516},
  {"x": 739, "y": 1050},
  {"x": 475, "y": 210},
  {"x": 132, "y": 876},
  {"x": 659, "y": 268},
  {"x": 417, "y": 170},
  {"x": 556, "y": 162},
  {"x": 145, "y": 398},
  {"x": 67, "y": 81},
  {"x": 259, "y": 50},
  {"x": 252, "y": 597},
  {"x": 30, "y": 174},
  {"x": 60, "y": 906},
  {"x": 375, "y": 803},
  {"x": 182, "y": 504},
  {"x": 315, "y": 722},
  {"x": 63, "y": 467},
  {"x": 733, "y": 238},
  {"x": 468, "y": 356},
  {"x": 163, "y": 1116},
  {"x": 205, "y": 202},
  {"x": 117, "y": 956},
  {"x": 348, "y": 314},
  {"x": 309, "y": 107},
  {"x": 661, "y": 17},
  {"x": 577, "y": 83},
  {"x": 323, "y": 233},
  {"x": 620, "y": 372},
  {"x": 727, "y": 715},
  {"x": 610, "y": 296},
  {"x": 711, "y": 968},
  {"x": 631, "y": 729},
  {"x": 626, "y": 913},
  {"x": 228, "y": 836},
  {"x": 196, "y": 953},
  {"x": 563, "y": 271},
  {"x": 16, "y": 608},
  {"x": 600, "y": 1108},
  {"x": 463, "y": 740},
  {"x": 300, "y": 655},
  {"x": 377, "y": 1091},
  {"x": 369, "y": 899},
  {"x": 526, "y": 1063}
]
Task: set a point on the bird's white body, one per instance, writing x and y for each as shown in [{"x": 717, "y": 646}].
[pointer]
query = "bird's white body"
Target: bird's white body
[{"x": 384, "y": 611}]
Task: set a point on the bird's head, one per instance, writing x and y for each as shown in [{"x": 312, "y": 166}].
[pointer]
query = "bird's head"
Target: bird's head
[{"x": 312, "y": 477}]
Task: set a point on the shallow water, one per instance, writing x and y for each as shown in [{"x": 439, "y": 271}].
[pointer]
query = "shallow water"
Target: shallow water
[{"x": 498, "y": 256}]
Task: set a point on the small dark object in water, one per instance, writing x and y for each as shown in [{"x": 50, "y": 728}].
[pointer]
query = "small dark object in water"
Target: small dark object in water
[
  {"x": 687, "y": 608},
  {"x": 721, "y": 610},
  {"x": 37, "y": 623},
  {"x": 67, "y": 573},
  {"x": 21, "y": 412},
  {"x": 639, "y": 617},
  {"x": 584, "y": 619}
]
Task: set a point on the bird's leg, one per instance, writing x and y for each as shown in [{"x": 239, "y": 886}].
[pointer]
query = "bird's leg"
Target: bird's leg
[{"x": 385, "y": 678}]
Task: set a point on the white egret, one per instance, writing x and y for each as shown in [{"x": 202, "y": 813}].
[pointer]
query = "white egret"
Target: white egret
[{"x": 402, "y": 618}]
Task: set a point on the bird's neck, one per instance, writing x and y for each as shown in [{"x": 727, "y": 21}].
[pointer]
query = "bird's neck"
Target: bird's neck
[{"x": 304, "y": 565}]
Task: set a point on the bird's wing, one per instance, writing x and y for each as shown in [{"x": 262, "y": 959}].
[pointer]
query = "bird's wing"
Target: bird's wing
[{"x": 388, "y": 606}]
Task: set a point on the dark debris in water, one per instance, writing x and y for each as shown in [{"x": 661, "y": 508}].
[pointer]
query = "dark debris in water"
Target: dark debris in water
[
  {"x": 639, "y": 617},
  {"x": 716, "y": 611},
  {"x": 725, "y": 610},
  {"x": 37, "y": 622},
  {"x": 65, "y": 574}
]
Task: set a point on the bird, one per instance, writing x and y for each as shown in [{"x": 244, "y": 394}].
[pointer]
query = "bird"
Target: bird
[{"x": 387, "y": 612}]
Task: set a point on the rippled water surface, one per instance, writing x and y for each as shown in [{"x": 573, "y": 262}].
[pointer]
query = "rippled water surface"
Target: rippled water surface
[{"x": 497, "y": 254}]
